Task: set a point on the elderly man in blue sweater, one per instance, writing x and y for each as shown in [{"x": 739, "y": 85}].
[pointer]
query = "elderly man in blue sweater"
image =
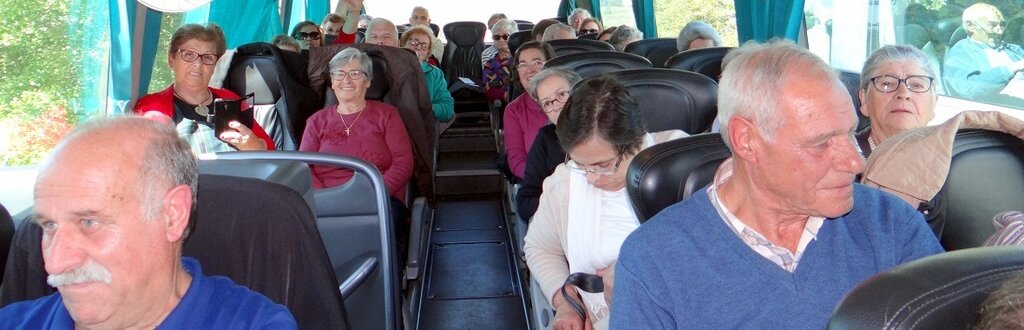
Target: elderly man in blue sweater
[{"x": 782, "y": 233}]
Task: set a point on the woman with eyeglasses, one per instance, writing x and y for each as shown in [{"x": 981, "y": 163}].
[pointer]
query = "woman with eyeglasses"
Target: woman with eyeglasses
[
  {"x": 188, "y": 102},
  {"x": 551, "y": 87},
  {"x": 523, "y": 116},
  {"x": 896, "y": 93},
  {"x": 497, "y": 62},
  {"x": 419, "y": 39},
  {"x": 308, "y": 34},
  {"x": 584, "y": 214}
]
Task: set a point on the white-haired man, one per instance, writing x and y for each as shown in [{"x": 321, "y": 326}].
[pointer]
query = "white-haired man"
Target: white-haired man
[{"x": 782, "y": 232}]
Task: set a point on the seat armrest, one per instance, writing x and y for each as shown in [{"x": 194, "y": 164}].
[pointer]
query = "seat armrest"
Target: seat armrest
[
  {"x": 353, "y": 281},
  {"x": 422, "y": 215}
]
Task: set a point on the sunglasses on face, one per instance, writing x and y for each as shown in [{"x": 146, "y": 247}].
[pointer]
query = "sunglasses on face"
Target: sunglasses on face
[
  {"x": 500, "y": 37},
  {"x": 309, "y": 35},
  {"x": 585, "y": 31},
  {"x": 189, "y": 55}
]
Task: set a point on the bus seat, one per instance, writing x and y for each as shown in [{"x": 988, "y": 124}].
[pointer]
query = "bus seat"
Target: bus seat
[
  {"x": 524, "y": 25},
  {"x": 379, "y": 86},
  {"x": 962, "y": 211},
  {"x": 672, "y": 99},
  {"x": 959, "y": 34},
  {"x": 589, "y": 64},
  {"x": 852, "y": 82},
  {"x": 282, "y": 99},
  {"x": 360, "y": 36},
  {"x": 657, "y": 50},
  {"x": 258, "y": 233},
  {"x": 944, "y": 29},
  {"x": 405, "y": 89},
  {"x": 572, "y": 46},
  {"x": 463, "y": 51},
  {"x": 6, "y": 235},
  {"x": 670, "y": 172},
  {"x": 517, "y": 39},
  {"x": 588, "y": 36},
  {"x": 706, "y": 61},
  {"x": 942, "y": 291}
]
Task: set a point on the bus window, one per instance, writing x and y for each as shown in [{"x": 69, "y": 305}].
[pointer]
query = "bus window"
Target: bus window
[
  {"x": 617, "y": 12},
  {"x": 162, "y": 76},
  {"x": 672, "y": 15}
]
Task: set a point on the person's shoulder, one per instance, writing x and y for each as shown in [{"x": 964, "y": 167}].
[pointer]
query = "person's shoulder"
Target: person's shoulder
[
  {"x": 39, "y": 313},
  {"x": 519, "y": 104},
  {"x": 322, "y": 114},
  {"x": 161, "y": 101},
  {"x": 874, "y": 207},
  {"x": 234, "y": 304},
  {"x": 548, "y": 129}
]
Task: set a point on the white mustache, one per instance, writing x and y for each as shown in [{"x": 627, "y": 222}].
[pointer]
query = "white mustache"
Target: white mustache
[{"x": 90, "y": 271}]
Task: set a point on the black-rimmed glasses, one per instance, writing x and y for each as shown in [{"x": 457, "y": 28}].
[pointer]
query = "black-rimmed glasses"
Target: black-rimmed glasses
[
  {"x": 351, "y": 74},
  {"x": 190, "y": 55},
  {"x": 889, "y": 84}
]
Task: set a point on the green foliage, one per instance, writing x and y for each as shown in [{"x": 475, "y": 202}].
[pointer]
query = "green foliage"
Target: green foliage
[
  {"x": 37, "y": 50},
  {"x": 672, "y": 15},
  {"x": 33, "y": 126},
  {"x": 162, "y": 75}
]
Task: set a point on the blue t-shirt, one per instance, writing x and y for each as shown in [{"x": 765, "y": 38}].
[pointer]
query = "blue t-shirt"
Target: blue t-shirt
[{"x": 211, "y": 302}]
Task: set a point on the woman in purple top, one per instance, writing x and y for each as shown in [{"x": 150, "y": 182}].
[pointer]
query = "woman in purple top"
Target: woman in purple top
[
  {"x": 370, "y": 130},
  {"x": 497, "y": 62},
  {"x": 523, "y": 116}
]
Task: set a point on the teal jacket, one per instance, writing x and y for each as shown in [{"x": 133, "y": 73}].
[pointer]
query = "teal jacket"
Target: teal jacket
[{"x": 444, "y": 104}]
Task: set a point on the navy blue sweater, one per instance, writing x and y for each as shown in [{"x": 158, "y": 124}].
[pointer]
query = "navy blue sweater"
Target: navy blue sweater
[{"x": 686, "y": 269}]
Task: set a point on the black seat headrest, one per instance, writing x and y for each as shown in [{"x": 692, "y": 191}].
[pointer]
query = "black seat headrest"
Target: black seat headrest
[
  {"x": 672, "y": 171},
  {"x": 518, "y": 38},
  {"x": 706, "y": 61},
  {"x": 588, "y": 64},
  {"x": 572, "y": 46},
  {"x": 852, "y": 82},
  {"x": 672, "y": 99},
  {"x": 465, "y": 34},
  {"x": 657, "y": 50}
]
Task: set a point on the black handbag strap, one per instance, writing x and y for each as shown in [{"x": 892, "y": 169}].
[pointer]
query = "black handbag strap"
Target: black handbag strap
[{"x": 586, "y": 282}]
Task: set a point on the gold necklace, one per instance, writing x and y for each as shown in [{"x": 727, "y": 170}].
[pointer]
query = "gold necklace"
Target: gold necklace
[
  {"x": 201, "y": 109},
  {"x": 348, "y": 128}
]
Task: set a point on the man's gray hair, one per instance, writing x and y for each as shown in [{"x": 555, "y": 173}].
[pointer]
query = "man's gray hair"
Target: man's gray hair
[
  {"x": 505, "y": 25},
  {"x": 559, "y": 71},
  {"x": 623, "y": 35},
  {"x": 380, "y": 20},
  {"x": 697, "y": 30},
  {"x": 578, "y": 12},
  {"x": 752, "y": 83},
  {"x": 894, "y": 53},
  {"x": 352, "y": 54},
  {"x": 551, "y": 31}
]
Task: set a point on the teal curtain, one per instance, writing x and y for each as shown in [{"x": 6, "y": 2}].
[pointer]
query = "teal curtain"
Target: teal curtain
[
  {"x": 316, "y": 10},
  {"x": 295, "y": 12},
  {"x": 240, "y": 31},
  {"x": 199, "y": 15},
  {"x": 595, "y": 9},
  {"x": 565, "y": 8},
  {"x": 643, "y": 12},
  {"x": 762, "y": 20},
  {"x": 134, "y": 34},
  {"x": 91, "y": 18}
]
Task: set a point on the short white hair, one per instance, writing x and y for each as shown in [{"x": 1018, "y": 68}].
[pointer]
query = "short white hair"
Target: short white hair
[
  {"x": 752, "y": 83},
  {"x": 578, "y": 12},
  {"x": 697, "y": 30},
  {"x": 551, "y": 31},
  {"x": 505, "y": 25},
  {"x": 623, "y": 35}
]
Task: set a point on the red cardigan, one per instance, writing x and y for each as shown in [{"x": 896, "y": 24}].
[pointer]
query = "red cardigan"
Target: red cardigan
[{"x": 163, "y": 101}]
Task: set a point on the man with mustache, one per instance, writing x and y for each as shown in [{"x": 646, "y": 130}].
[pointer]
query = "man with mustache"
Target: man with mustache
[
  {"x": 782, "y": 232},
  {"x": 114, "y": 201}
]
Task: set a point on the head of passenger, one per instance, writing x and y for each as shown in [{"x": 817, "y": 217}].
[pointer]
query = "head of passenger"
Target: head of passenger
[
  {"x": 500, "y": 32},
  {"x": 332, "y": 24},
  {"x": 984, "y": 23},
  {"x": 494, "y": 19},
  {"x": 286, "y": 43},
  {"x": 789, "y": 122},
  {"x": 419, "y": 17},
  {"x": 529, "y": 60},
  {"x": 601, "y": 129},
  {"x": 896, "y": 91},
  {"x": 623, "y": 36},
  {"x": 577, "y": 17},
  {"x": 308, "y": 34},
  {"x": 351, "y": 71},
  {"x": 114, "y": 217},
  {"x": 537, "y": 34},
  {"x": 558, "y": 31},
  {"x": 607, "y": 33},
  {"x": 551, "y": 88},
  {"x": 1003, "y": 308},
  {"x": 193, "y": 54},
  {"x": 697, "y": 34},
  {"x": 364, "y": 21},
  {"x": 590, "y": 25},
  {"x": 418, "y": 39},
  {"x": 382, "y": 32}
]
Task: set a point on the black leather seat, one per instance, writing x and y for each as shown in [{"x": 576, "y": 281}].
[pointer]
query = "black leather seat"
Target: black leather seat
[
  {"x": 573, "y": 46},
  {"x": 852, "y": 82},
  {"x": 462, "y": 53},
  {"x": 260, "y": 234},
  {"x": 6, "y": 236},
  {"x": 672, "y": 99},
  {"x": 379, "y": 86},
  {"x": 670, "y": 172},
  {"x": 986, "y": 177},
  {"x": 657, "y": 50},
  {"x": 706, "y": 61},
  {"x": 524, "y": 25},
  {"x": 517, "y": 39},
  {"x": 590, "y": 64},
  {"x": 939, "y": 292},
  {"x": 282, "y": 98}
]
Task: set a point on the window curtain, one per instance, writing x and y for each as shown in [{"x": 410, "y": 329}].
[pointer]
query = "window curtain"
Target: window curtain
[
  {"x": 316, "y": 10},
  {"x": 643, "y": 12},
  {"x": 92, "y": 18},
  {"x": 595, "y": 10},
  {"x": 304, "y": 10},
  {"x": 240, "y": 31},
  {"x": 565, "y": 8},
  {"x": 766, "y": 19},
  {"x": 134, "y": 34}
]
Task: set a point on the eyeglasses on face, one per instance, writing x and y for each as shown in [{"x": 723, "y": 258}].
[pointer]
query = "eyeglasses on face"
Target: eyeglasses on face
[
  {"x": 548, "y": 105},
  {"x": 497, "y": 37},
  {"x": 190, "y": 55},
  {"x": 416, "y": 44},
  {"x": 576, "y": 167},
  {"x": 533, "y": 64},
  {"x": 315, "y": 35},
  {"x": 419, "y": 18},
  {"x": 351, "y": 74},
  {"x": 889, "y": 84}
]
